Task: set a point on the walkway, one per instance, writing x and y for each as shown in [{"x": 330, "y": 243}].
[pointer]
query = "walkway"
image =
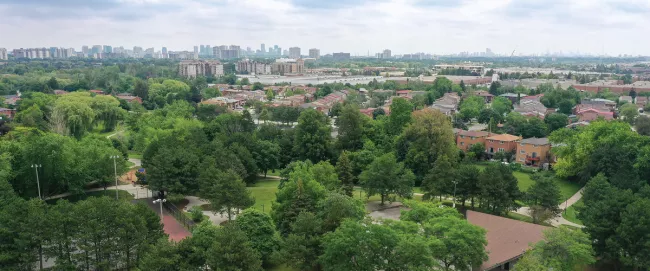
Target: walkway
[
  {"x": 559, "y": 220},
  {"x": 171, "y": 226},
  {"x": 216, "y": 219}
]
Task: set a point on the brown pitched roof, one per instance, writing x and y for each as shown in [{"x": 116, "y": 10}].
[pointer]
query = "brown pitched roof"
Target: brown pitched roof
[
  {"x": 504, "y": 137},
  {"x": 507, "y": 238},
  {"x": 473, "y": 133}
]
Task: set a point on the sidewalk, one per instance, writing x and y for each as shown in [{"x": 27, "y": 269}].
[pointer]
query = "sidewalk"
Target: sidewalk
[{"x": 173, "y": 228}]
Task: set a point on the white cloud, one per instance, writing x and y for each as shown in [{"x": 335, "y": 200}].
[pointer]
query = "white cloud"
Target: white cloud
[{"x": 357, "y": 26}]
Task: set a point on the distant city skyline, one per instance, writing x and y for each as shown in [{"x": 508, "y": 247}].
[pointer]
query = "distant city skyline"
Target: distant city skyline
[{"x": 404, "y": 26}]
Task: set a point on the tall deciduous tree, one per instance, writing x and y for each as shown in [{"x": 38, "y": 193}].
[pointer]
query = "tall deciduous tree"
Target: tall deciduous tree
[
  {"x": 440, "y": 180},
  {"x": 313, "y": 136},
  {"x": 463, "y": 244},
  {"x": 350, "y": 123},
  {"x": 556, "y": 121},
  {"x": 232, "y": 250},
  {"x": 386, "y": 177},
  {"x": 629, "y": 112},
  {"x": 468, "y": 183},
  {"x": 400, "y": 116},
  {"x": 260, "y": 229},
  {"x": 544, "y": 194},
  {"x": 337, "y": 207},
  {"x": 563, "y": 249},
  {"x": 501, "y": 105},
  {"x": 225, "y": 190},
  {"x": 499, "y": 189},
  {"x": 424, "y": 141},
  {"x": 267, "y": 155},
  {"x": 642, "y": 125}
]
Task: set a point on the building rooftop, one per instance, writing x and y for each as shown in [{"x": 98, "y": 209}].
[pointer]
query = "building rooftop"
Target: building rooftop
[
  {"x": 507, "y": 238},
  {"x": 473, "y": 133},
  {"x": 514, "y": 95},
  {"x": 535, "y": 141},
  {"x": 504, "y": 137}
]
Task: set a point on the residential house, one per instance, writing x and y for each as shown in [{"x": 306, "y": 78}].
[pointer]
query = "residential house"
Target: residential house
[
  {"x": 447, "y": 104},
  {"x": 485, "y": 95},
  {"x": 534, "y": 152},
  {"x": 513, "y": 97},
  {"x": 11, "y": 99},
  {"x": 531, "y": 108},
  {"x": 7, "y": 113},
  {"x": 501, "y": 143},
  {"x": 326, "y": 103},
  {"x": 599, "y": 104},
  {"x": 465, "y": 139},
  {"x": 641, "y": 101},
  {"x": 507, "y": 239},
  {"x": 97, "y": 92},
  {"x": 625, "y": 99},
  {"x": 591, "y": 114},
  {"x": 367, "y": 111},
  {"x": 229, "y": 103},
  {"x": 129, "y": 98}
]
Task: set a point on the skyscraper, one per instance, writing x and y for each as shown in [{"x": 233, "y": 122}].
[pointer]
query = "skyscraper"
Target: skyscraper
[
  {"x": 294, "y": 52},
  {"x": 263, "y": 48},
  {"x": 314, "y": 53},
  {"x": 196, "y": 49},
  {"x": 164, "y": 52},
  {"x": 85, "y": 50}
]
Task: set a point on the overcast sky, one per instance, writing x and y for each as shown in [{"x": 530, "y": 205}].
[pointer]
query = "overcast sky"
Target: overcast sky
[{"x": 355, "y": 26}]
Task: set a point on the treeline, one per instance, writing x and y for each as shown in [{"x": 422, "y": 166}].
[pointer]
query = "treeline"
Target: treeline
[{"x": 94, "y": 234}]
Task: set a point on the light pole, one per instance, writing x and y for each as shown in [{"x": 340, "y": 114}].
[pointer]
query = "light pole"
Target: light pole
[
  {"x": 38, "y": 183},
  {"x": 161, "y": 203},
  {"x": 454, "y": 203},
  {"x": 115, "y": 168}
]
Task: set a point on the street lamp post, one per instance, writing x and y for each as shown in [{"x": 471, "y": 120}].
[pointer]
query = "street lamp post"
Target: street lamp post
[
  {"x": 454, "y": 203},
  {"x": 161, "y": 204},
  {"x": 115, "y": 169},
  {"x": 38, "y": 183}
]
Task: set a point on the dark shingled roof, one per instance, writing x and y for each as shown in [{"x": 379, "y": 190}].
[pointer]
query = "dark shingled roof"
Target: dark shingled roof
[
  {"x": 507, "y": 238},
  {"x": 535, "y": 141}
]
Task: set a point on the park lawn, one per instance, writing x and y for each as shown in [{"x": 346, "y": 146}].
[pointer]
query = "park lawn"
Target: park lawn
[
  {"x": 524, "y": 181},
  {"x": 273, "y": 172},
  {"x": 135, "y": 155},
  {"x": 571, "y": 212},
  {"x": 264, "y": 193},
  {"x": 129, "y": 164},
  {"x": 123, "y": 195}
]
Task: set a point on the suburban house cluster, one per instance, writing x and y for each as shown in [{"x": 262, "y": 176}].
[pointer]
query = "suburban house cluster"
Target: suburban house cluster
[{"x": 534, "y": 152}]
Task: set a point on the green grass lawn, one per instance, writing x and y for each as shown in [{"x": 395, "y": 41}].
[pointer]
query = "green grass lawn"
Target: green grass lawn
[
  {"x": 135, "y": 155},
  {"x": 571, "y": 212},
  {"x": 524, "y": 181},
  {"x": 264, "y": 193},
  {"x": 273, "y": 172},
  {"x": 129, "y": 164},
  {"x": 123, "y": 195}
]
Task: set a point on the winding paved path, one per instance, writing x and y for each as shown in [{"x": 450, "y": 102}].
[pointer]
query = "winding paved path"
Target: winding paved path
[{"x": 559, "y": 220}]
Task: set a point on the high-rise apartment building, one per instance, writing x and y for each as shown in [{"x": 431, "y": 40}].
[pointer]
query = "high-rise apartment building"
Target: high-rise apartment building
[
  {"x": 97, "y": 49},
  {"x": 196, "y": 49},
  {"x": 108, "y": 49},
  {"x": 314, "y": 53},
  {"x": 285, "y": 66},
  {"x": 194, "y": 68},
  {"x": 252, "y": 67},
  {"x": 138, "y": 52},
  {"x": 3, "y": 54},
  {"x": 386, "y": 54},
  {"x": 263, "y": 48},
  {"x": 164, "y": 53},
  {"x": 85, "y": 50},
  {"x": 341, "y": 56},
  {"x": 32, "y": 53},
  {"x": 294, "y": 52}
]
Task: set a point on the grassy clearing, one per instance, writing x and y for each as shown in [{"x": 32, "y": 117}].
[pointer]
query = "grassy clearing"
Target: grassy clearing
[
  {"x": 129, "y": 164},
  {"x": 264, "y": 193},
  {"x": 123, "y": 195},
  {"x": 524, "y": 181},
  {"x": 135, "y": 155},
  {"x": 273, "y": 172},
  {"x": 571, "y": 213}
]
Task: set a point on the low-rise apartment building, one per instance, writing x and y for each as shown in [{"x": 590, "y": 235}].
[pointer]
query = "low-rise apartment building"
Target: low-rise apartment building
[
  {"x": 534, "y": 152},
  {"x": 465, "y": 139},
  {"x": 501, "y": 143}
]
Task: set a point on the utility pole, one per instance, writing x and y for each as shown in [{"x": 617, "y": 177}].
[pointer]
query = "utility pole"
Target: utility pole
[
  {"x": 454, "y": 203},
  {"x": 161, "y": 205},
  {"x": 38, "y": 183},
  {"x": 115, "y": 170}
]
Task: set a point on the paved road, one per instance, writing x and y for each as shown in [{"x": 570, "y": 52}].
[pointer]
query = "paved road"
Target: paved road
[
  {"x": 215, "y": 218},
  {"x": 559, "y": 220}
]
